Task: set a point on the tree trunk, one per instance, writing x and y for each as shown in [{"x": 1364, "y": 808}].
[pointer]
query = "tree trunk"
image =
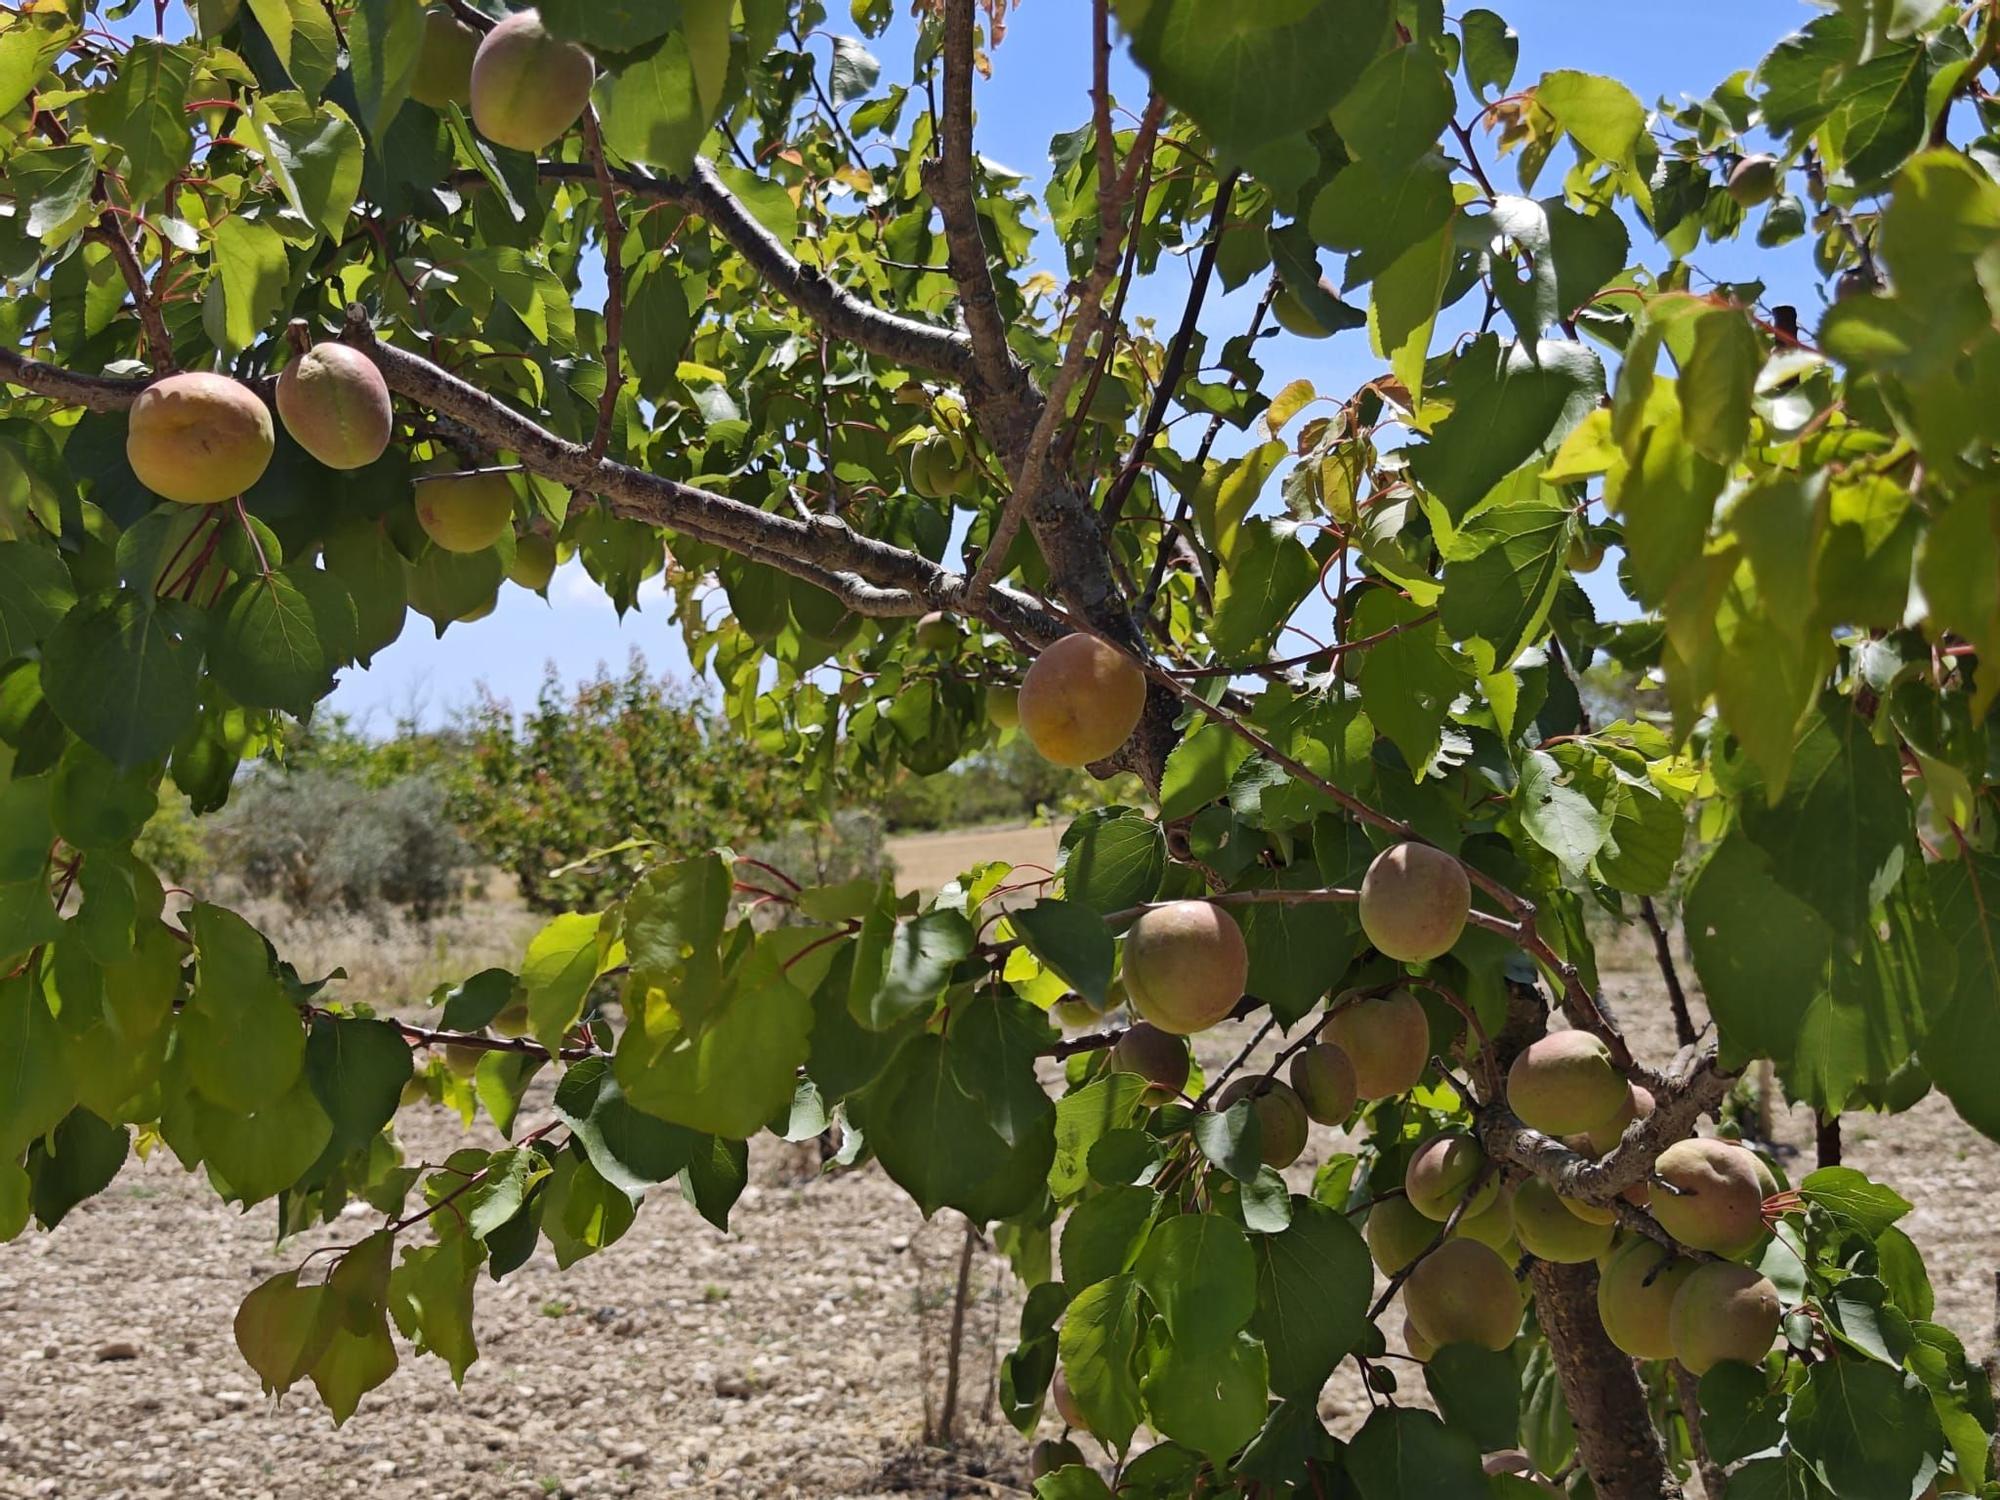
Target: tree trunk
[{"x": 1615, "y": 1438}]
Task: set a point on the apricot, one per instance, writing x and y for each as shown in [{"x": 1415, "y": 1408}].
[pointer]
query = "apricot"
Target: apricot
[
  {"x": 512, "y": 1020},
  {"x": 198, "y": 439},
  {"x": 1585, "y": 554},
  {"x": 466, "y": 512},
  {"x": 1603, "y": 1139},
  {"x": 1155, "y": 1055},
  {"x": 1323, "y": 1078},
  {"x": 1051, "y": 1454},
  {"x": 1281, "y": 1117},
  {"x": 1185, "y": 965},
  {"x": 1387, "y": 1040},
  {"x": 1081, "y": 700},
  {"x": 1075, "y": 1013},
  {"x": 444, "y": 61},
  {"x": 938, "y": 471},
  {"x": 1003, "y": 707},
  {"x": 1414, "y": 901},
  {"x": 1443, "y": 1171},
  {"x": 1708, "y": 1195},
  {"x": 1550, "y": 1229},
  {"x": 1396, "y": 1233},
  {"x": 1421, "y": 1348},
  {"x": 1493, "y": 1225},
  {"x": 461, "y": 1059},
  {"x": 335, "y": 405},
  {"x": 534, "y": 561},
  {"x": 1635, "y": 1297},
  {"x": 1564, "y": 1083},
  {"x": 937, "y": 632},
  {"x": 1754, "y": 180},
  {"x": 1463, "y": 1293},
  {"x": 1723, "y": 1311},
  {"x": 528, "y": 87},
  {"x": 1065, "y": 1401}
]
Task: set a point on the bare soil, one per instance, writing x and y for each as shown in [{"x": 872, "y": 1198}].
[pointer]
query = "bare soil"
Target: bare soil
[{"x": 786, "y": 1358}]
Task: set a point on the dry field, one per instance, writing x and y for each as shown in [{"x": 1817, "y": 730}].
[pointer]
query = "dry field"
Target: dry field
[{"x": 780, "y": 1360}]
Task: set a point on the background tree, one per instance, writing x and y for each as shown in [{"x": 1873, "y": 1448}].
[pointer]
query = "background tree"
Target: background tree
[{"x": 909, "y": 469}]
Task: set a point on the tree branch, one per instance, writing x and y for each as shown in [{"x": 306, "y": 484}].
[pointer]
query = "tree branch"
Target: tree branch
[
  {"x": 614, "y": 283},
  {"x": 1684, "y": 1029},
  {"x": 159, "y": 343}
]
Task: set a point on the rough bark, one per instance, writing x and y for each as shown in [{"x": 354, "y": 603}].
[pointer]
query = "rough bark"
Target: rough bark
[{"x": 1615, "y": 1438}]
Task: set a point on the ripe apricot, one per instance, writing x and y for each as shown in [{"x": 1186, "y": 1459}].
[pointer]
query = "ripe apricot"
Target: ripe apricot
[
  {"x": 1564, "y": 1083},
  {"x": 1281, "y": 1118},
  {"x": 1723, "y": 1311},
  {"x": 1185, "y": 965},
  {"x": 1708, "y": 1196},
  {"x": 1635, "y": 1297},
  {"x": 528, "y": 87},
  {"x": 335, "y": 405},
  {"x": 1065, "y": 1403},
  {"x": 1463, "y": 1293},
  {"x": 1323, "y": 1078},
  {"x": 1387, "y": 1040},
  {"x": 1155, "y": 1055},
  {"x": 1081, "y": 700},
  {"x": 198, "y": 439},
  {"x": 1414, "y": 901},
  {"x": 1441, "y": 1174}
]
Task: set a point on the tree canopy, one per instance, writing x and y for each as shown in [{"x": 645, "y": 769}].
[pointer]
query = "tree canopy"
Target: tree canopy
[{"x": 704, "y": 288}]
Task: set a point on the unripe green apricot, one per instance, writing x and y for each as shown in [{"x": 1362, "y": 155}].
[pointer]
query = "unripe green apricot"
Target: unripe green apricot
[
  {"x": 1463, "y": 1293},
  {"x": 1441, "y": 1173},
  {"x": 1421, "y": 1349},
  {"x": 198, "y": 439},
  {"x": 1051, "y": 1454},
  {"x": 1635, "y": 1298},
  {"x": 1396, "y": 1233},
  {"x": 1494, "y": 1224},
  {"x": 335, "y": 404},
  {"x": 1754, "y": 180},
  {"x": 534, "y": 561},
  {"x": 1075, "y": 1013},
  {"x": 1323, "y": 1078},
  {"x": 1585, "y": 554},
  {"x": 1414, "y": 902},
  {"x": 461, "y": 1059},
  {"x": 1564, "y": 1083},
  {"x": 1281, "y": 1118},
  {"x": 1708, "y": 1195},
  {"x": 1081, "y": 700},
  {"x": 528, "y": 87},
  {"x": 1155, "y": 1055},
  {"x": 1003, "y": 707},
  {"x": 464, "y": 513},
  {"x": 1387, "y": 1040},
  {"x": 512, "y": 1020},
  {"x": 1185, "y": 965},
  {"x": 1723, "y": 1311},
  {"x": 444, "y": 61},
  {"x": 937, "y": 631},
  {"x": 1549, "y": 1228}
]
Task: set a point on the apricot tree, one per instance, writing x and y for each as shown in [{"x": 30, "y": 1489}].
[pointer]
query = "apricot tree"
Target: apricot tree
[{"x": 701, "y": 286}]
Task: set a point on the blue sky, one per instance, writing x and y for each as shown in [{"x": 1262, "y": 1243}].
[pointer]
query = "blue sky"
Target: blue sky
[{"x": 1039, "y": 87}]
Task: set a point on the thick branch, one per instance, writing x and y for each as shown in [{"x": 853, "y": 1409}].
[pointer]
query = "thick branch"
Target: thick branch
[{"x": 92, "y": 392}]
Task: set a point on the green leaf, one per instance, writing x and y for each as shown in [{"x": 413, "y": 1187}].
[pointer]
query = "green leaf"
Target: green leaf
[
  {"x": 995, "y": 1043},
  {"x": 1072, "y": 940},
  {"x": 357, "y": 1069},
  {"x": 26, "y": 51},
  {"x": 1212, "y": 1399},
  {"x": 1963, "y": 1047},
  {"x": 1104, "y": 1234},
  {"x": 1959, "y": 570},
  {"x": 1739, "y": 1415},
  {"x": 240, "y": 1036},
  {"x": 631, "y": 1149},
  {"x": 1717, "y": 383},
  {"x": 264, "y": 646},
  {"x": 26, "y": 827},
  {"x": 430, "y": 1296},
  {"x": 78, "y": 1162},
  {"x": 1269, "y": 573},
  {"x": 901, "y": 967},
  {"x": 1509, "y": 402},
  {"x": 250, "y": 261},
  {"x": 281, "y": 1332},
  {"x": 1562, "y": 810},
  {"x": 1099, "y": 1348},
  {"x": 1250, "y": 78},
  {"x": 1377, "y": 214},
  {"x": 615, "y": 25},
  {"x": 1490, "y": 51},
  {"x": 1112, "y": 858},
  {"x": 1401, "y": 1452},
  {"x": 1314, "y": 1281},
  {"x": 1232, "y": 1139},
  {"x": 359, "y": 1355},
  {"x": 1295, "y": 947},
  {"x": 1408, "y": 682},
  {"x": 1851, "y": 1199},
  {"x": 1603, "y": 116},
  {"x": 504, "y": 1184},
  {"x": 1477, "y": 1393},
  {"x": 1084, "y": 1118},
  {"x": 54, "y": 184},
  {"x": 1865, "y": 1428},
  {"x": 35, "y": 594},
  {"x": 1397, "y": 109},
  {"x": 317, "y": 163},
  {"x": 853, "y": 73},
  {"x": 255, "y": 1155},
  {"x": 123, "y": 673},
  {"x": 384, "y": 40},
  {"x": 562, "y": 962},
  {"x": 1570, "y": 255},
  {"x": 1501, "y": 592},
  {"x": 95, "y": 805},
  {"x": 1199, "y": 1273},
  {"x": 141, "y": 113},
  {"x": 657, "y": 111}
]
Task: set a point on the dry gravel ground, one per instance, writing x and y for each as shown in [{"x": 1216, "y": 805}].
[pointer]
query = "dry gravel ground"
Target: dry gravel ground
[{"x": 783, "y": 1359}]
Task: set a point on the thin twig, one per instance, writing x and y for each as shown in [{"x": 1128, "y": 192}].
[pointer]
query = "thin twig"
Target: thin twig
[{"x": 614, "y": 285}]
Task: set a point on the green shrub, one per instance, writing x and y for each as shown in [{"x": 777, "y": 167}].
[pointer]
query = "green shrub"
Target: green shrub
[{"x": 1008, "y": 784}]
